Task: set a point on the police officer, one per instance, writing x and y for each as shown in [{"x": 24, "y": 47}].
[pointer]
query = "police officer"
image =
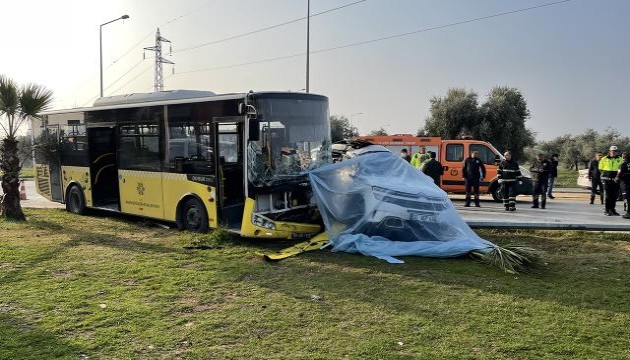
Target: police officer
[
  {"x": 474, "y": 171},
  {"x": 509, "y": 174},
  {"x": 623, "y": 176},
  {"x": 595, "y": 176},
  {"x": 540, "y": 169},
  {"x": 609, "y": 165}
]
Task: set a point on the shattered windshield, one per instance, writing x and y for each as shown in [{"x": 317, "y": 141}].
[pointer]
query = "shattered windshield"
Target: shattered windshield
[{"x": 294, "y": 138}]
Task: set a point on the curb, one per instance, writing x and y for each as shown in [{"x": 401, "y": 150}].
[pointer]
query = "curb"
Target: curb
[{"x": 546, "y": 226}]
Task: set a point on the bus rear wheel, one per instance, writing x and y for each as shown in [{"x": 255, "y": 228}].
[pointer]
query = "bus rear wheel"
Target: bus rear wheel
[
  {"x": 75, "y": 203},
  {"x": 194, "y": 216}
]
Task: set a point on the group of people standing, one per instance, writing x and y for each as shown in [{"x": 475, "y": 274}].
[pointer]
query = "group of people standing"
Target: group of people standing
[
  {"x": 426, "y": 162},
  {"x": 608, "y": 175},
  {"x": 544, "y": 172}
]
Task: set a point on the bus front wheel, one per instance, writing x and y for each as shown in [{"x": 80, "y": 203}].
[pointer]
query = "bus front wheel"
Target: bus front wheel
[
  {"x": 194, "y": 216},
  {"x": 75, "y": 202}
]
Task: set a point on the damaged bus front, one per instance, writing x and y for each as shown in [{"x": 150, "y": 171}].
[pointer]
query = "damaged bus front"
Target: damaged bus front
[{"x": 288, "y": 135}]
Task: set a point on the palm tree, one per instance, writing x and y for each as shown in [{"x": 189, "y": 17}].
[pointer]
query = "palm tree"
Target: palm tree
[{"x": 17, "y": 105}]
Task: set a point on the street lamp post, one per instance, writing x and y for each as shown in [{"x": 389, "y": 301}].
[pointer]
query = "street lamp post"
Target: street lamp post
[
  {"x": 352, "y": 116},
  {"x": 308, "y": 42},
  {"x": 100, "y": 38}
]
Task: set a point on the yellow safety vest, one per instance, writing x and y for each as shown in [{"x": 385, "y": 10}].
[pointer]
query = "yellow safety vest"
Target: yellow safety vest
[{"x": 609, "y": 166}]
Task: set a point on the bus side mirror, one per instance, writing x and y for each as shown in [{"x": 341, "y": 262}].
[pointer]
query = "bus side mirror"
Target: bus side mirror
[
  {"x": 245, "y": 109},
  {"x": 254, "y": 130}
]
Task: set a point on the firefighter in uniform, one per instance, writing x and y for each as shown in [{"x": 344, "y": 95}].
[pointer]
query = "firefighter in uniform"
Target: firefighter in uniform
[
  {"x": 541, "y": 168},
  {"x": 509, "y": 174},
  {"x": 623, "y": 176},
  {"x": 608, "y": 166}
]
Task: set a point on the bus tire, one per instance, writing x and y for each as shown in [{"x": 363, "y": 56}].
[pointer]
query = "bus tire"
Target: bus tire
[
  {"x": 194, "y": 216},
  {"x": 75, "y": 201},
  {"x": 495, "y": 191}
]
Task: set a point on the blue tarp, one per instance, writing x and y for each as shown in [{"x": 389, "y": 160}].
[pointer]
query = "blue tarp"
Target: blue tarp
[{"x": 377, "y": 204}]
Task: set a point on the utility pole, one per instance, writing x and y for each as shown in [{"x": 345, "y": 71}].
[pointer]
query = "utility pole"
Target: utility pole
[
  {"x": 308, "y": 41},
  {"x": 158, "y": 81}
]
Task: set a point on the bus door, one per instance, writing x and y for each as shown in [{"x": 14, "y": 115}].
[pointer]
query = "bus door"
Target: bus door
[
  {"x": 452, "y": 159},
  {"x": 56, "y": 192},
  {"x": 103, "y": 169},
  {"x": 140, "y": 169},
  {"x": 230, "y": 170}
]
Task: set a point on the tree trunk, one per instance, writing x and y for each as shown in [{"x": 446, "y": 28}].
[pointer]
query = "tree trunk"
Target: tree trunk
[{"x": 10, "y": 207}]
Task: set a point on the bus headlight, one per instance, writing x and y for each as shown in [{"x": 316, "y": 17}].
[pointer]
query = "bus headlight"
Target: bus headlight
[{"x": 262, "y": 221}]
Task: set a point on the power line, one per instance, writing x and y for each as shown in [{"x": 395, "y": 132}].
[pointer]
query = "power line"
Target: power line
[
  {"x": 177, "y": 18},
  {"x": 125, "y": 74},
  {"x": 134, "y": 46},
  {"x": 382, "y": 38},
  {"x": 265, "y": 29},
  {"x": 132, "y": 79}
]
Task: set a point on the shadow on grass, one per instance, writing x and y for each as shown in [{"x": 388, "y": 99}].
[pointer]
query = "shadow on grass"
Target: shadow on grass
[
  {"x": 24, "y": 341},
  {"x": 586, "y": 281}
]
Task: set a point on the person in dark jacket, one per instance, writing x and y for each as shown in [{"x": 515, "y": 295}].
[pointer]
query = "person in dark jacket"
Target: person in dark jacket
[
  {"x": 405, "y": 155},
  {"x": 623, "y": 176},
  {"x": 594, "y": 175},
  {"x": 540, "y": 170},
  {"x": 509, "y": 174},
  {"x": 433, "y": 168},
  {"x": 552, "y": 176},
  {"x": 474, "y": 171}
]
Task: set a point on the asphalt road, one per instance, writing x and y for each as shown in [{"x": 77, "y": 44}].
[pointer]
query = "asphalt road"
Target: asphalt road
[{"x": 570, "y": 210}]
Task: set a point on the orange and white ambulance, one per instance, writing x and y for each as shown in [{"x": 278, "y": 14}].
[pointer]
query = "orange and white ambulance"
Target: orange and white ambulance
[{"x": 452, "y": 153}]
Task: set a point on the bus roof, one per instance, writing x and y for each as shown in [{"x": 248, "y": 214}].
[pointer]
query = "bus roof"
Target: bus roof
[
  {"x": 161, "y": 98},
  {"x": 150, "y": 99}
]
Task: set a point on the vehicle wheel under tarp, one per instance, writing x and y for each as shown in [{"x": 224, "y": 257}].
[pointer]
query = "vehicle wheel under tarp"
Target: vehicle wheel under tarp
[
  {"x": 194, "y": 216},
  {"x": 75, "y": 203}
]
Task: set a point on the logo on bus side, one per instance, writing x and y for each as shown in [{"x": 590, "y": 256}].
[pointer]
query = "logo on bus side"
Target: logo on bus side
[{"x": 140, "y": 188}]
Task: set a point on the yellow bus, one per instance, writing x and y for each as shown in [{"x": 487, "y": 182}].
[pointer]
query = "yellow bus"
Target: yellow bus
[{"x": 194, "y": 158}]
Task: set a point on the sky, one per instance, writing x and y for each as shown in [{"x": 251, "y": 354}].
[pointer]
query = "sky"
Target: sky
[{"x": 570, "y": 60}]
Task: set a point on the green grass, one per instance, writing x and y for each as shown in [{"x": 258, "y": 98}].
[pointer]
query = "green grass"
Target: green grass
[
  {"x": 566, "y": 178},
  {"x": 106, "y": 288},
  {"x": 27, "y": 172}
]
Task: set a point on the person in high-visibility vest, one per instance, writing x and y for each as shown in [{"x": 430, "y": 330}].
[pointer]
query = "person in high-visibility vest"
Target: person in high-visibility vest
[
  {"x": 418, "y": 158},
  {"x": 608, "y": 166}
]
